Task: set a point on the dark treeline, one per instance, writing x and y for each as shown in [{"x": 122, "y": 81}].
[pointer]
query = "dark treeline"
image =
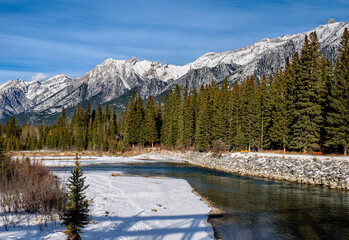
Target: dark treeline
[{"x": 304, "y": 107}]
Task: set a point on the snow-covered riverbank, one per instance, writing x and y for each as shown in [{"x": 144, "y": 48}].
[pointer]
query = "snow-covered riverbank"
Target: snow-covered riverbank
[
  {"x": 331, "y": 172},
  {"x": 127, "y": 207}
]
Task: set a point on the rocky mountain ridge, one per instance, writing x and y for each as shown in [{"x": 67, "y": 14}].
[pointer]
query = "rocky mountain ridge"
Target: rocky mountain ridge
[{"x": 114, "y": 78}]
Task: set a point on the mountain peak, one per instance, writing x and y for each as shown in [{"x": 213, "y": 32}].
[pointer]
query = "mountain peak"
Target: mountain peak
[
  {"x": 132, "y": 60},
  {"x": 155, "y": 64},
  {"x": 113, "y": 78},
  {"x": 61, "y": 75},
  {"x": 331, "y": 21}
]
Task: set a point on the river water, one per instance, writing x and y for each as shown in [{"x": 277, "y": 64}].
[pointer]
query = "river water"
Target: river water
[{"x": 256, "y": 208}]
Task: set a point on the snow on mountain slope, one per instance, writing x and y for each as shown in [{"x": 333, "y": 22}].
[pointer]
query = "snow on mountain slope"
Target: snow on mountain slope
[
  {"x": 327, "y": 34},
  {"x": 17, "y": 96},
  {"x": 144, "y": 69},
  {"x": 113, "y": 78},
  {"x": 274, "y": 57},
  {"x": 13, "y": 98},
  {"x": 39, "y": 91}
]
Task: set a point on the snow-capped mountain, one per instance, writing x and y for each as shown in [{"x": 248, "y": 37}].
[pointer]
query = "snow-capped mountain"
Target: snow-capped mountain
[
  {"x": 267, "y": 54},
  {"x": 114, "y": 78},
  {"x": 13, "y": 98},
  {"x": 17, "y": 96}
]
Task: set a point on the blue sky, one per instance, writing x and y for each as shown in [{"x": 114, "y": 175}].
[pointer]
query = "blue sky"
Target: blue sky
[{"x": 44, "y": 38}]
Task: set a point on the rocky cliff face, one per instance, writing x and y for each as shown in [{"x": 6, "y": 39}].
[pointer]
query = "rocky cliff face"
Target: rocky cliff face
[
  {"x": 17, "y": 96},
  {"x": 266, "y": 55},
  {"x": 114, "y": 78}
]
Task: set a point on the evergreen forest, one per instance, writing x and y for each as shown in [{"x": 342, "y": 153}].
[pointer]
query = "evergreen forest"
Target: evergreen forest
[{"x": 303, "y": 107}]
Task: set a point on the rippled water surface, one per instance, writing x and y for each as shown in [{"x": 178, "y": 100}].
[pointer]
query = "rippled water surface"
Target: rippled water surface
[{"x": 256, "y": 208}]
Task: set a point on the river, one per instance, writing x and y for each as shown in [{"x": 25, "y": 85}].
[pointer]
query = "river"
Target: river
[{"x": 255, "y": 208}]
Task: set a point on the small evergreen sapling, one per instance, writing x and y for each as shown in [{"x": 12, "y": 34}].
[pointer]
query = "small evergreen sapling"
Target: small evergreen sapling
[{"x": 76, "y": 215}]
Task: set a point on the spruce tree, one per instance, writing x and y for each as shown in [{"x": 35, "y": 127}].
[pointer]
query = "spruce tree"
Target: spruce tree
[
  {"x": 309, "y": 93},
  {"x": 263, "y": 102},
  {"x": 165, "y": 126},
  {"x": 76, "y": 214},
  {"x": 133, "y": 123},
  {"x": 221, "y": 118},
  {"x": 188, "y": 119},
  {"x": 239, "y": 140},
  {"x": 249, "y": 113},
  {"x": 203, "y": 137},
  {"x": 175, "y": 118},
  {"x": 338, "y": 116},
  {"x": 88, "y": 115},
  {"x": 278, "y": 132},
  {"x": 235, "y": 115},
  {"x": 62, "y": 131},
  {"x": 150, "y": 131}
]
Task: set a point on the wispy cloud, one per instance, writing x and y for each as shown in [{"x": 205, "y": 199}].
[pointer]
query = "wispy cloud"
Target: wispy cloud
[{"x": 39, "y": 76}]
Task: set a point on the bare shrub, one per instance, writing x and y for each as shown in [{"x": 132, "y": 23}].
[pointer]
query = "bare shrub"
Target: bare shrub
[
  {"x": 219, "y": 146},
  {"x": 28, "y": 186}
]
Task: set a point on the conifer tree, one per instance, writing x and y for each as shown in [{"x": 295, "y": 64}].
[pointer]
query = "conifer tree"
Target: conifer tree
[
  {"x": 221, "y": 118},
  {"x": 203, "y": 138},
  {"x": 62, "y": 131},
  {"x": 278, "y": 131},
  {"x": 309, "y": 91},
  {"x": 170, "y": 127},
  {"x": 188, "y": 119},
  {"x": 235, "y": 115},
  {"x": 132, "y": 123},
  {"x": 76, "y": 214},
  {"x": 98, "y": 130},
  {"x": 338, "y": 116},
  {"x": 239, "y": 139},
  {"x": 249, "y": 113},
  {"x": 166, "y": 123},
  {"x": 139, "y": 117},
  {"x": 263, "y": 99},
  {"x": 88, "y": 115},
  {"x": 158, "y": 119},
  {"x": 175, "y": 119},
  {"x": 150, "y": 131}
]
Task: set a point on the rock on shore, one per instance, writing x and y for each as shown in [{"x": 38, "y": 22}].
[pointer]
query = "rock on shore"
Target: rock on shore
[{"x": 331, "y": 172}]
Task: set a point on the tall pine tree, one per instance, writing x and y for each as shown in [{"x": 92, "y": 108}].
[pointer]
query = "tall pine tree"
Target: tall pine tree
[
  {"x": 338, "y": 116},
  {"x": 309, "y": 93}
]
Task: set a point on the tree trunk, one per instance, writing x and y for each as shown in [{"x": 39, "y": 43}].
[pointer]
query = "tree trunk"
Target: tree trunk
[{"x": 284, "y": 147}]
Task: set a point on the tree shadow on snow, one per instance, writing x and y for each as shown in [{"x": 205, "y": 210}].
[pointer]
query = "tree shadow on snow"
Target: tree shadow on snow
[
  {"x": 114, "y": 227},
  {"x": 184, "y": 227}
]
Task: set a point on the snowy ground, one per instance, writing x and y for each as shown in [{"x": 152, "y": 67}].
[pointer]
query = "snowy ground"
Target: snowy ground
[
  {"x": 127, "y": 207},
  {"x": 92, "y": 160}
]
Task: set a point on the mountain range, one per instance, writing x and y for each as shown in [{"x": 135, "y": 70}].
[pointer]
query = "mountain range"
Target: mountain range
[{"x": 113, "y": 80}]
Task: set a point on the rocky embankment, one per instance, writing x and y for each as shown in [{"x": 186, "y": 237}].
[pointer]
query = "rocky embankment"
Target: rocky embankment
[{"x": 331, "y": 172}]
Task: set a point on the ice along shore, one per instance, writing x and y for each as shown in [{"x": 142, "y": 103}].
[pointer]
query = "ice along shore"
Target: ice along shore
[{"x": 332, "y": 172}]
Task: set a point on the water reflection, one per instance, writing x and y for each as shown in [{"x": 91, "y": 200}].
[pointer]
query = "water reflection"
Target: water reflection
[{"x": 256, "y": 208}]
